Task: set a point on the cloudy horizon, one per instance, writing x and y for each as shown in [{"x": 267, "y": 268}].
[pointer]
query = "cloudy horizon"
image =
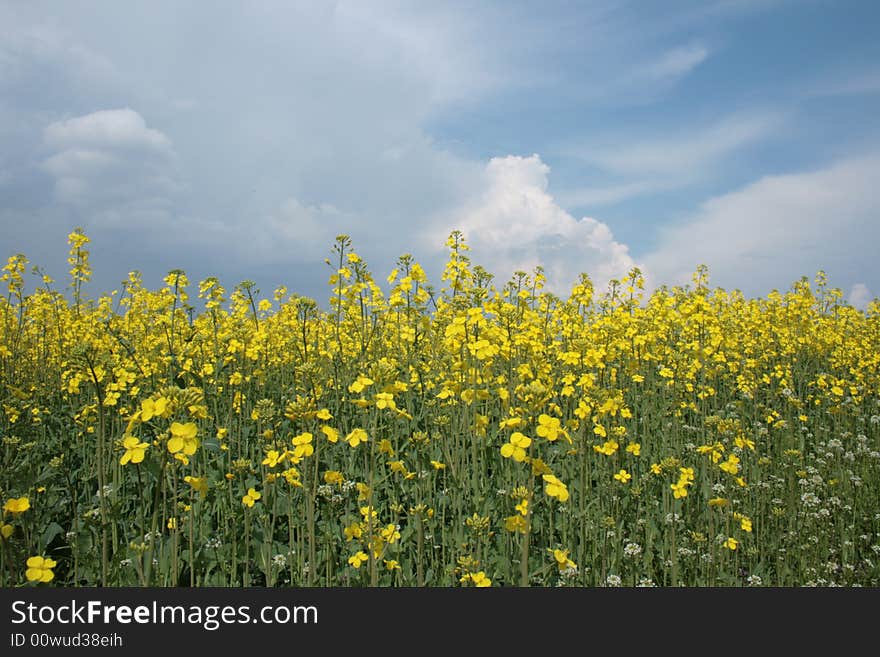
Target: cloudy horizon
[{"x": 238, "y": 139}]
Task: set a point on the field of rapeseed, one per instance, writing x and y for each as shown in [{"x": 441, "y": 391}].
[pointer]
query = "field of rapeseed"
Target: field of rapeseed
[{"x": 476, "y": 434}]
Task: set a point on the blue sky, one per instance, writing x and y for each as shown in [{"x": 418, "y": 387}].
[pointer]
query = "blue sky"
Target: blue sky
[{"x": 237, "y": 139}]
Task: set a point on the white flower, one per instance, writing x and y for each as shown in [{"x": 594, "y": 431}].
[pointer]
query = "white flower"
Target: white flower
[
  {"x": 613, "y": 581},
  {"x": 632, "y": 549},
  {"x": 809, "y": 500}
]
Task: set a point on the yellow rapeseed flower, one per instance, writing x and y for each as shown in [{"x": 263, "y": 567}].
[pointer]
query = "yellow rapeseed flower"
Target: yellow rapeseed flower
[
  {"x": 623, "y": 476},
  {"x": 555, "y": 488},
  {"x": 183, "y": 438},
  {"x": 356, "y": 437},
  {"x": 334, "y": 477},
  {"x": 516, "y": 447},
  {"x": 151, "y": 408},
  {"x": 358, "y": 559},
  {"x": 563, "y": 562},
  {"x": 39, "y": 569},
  {"x": 134, "y": 450},
  {"x": 551, "y": 428},
  {"x": 199, "y": 484},
  {"x": 251, "y": 497},
  {"x": 17, "y": 505}
]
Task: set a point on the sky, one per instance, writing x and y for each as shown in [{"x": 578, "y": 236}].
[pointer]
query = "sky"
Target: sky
[{"x": 237, "y": 139}]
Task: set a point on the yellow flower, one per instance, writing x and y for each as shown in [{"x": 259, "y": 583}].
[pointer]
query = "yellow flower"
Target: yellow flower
[
  {"x": 731, "y": 543},
  {"x": 251, "y": 497},
  {"x": 550, "y": 428},
  {"x": 359, "y": 384},
  {"x": 183, "y": 438},
  {"x": 134, "y": 450},
  {"x": 623, "y": 476},
  {"x": 274, "y": 457},
  {"x": 744, "y": 443},
  {"x": 731, "y": 465},
  {"x": 358, "y": 559},
  {"x": 392, "y": 564},
  {"x": 153, "y": 408},
  {"x": 356, "y": 437},
  {"x": 718, "y": 502},
  {"x": 199, "y": 484},
  {"x": 334, "y": 477},
  {"x": 523, "y": 507},
  {"x": 512, "y": 422},
  {"x": 399, "y": 467},
  {"x": 555, "y": 488},
  {"x": 634, "y": 448},
  {"x": 39, "y": 569},
  {"x": 385, "y": 400},
  {"x": 438, "y": 465},
  {"x": 323, "y": 414},
  {"x": 477, "y": 579},
  {"x": 656, "y": 469},
  {"x": 390, "y": 534},
  {"x": 331, "y": 433},
  {"x": 353, "y": 531},
  {"x": 17, "y": 505},
  {"x": 679, "y": 490},
  {"x": 540, "y": 468},
  {"x": 6, "y": 530},
  {"x": 745, "y": 522},
  {"x": 563, "y": 562},
  {"x": 607, "y": 448},
  {"x": 302, "y": 445},
  {"x": 516, "y": 447},
  {"x": 516, "y": 524}
]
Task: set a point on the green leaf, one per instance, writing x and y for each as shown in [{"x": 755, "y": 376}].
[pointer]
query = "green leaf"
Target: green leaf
[{"x": 50, "y": 533}]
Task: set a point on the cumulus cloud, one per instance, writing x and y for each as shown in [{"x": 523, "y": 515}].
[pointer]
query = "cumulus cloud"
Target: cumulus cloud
[
  {"x": 119, "y": 128},
  {"x": 860, "y": 296},
  {"x": 515, "y": 224},
  {"x": 110, "y": 166},
  {"x": 776, "y": 230}
]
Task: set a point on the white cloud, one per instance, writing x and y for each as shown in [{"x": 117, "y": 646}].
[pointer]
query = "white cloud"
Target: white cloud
[
  {"x": 675, "y": 63},
  {"x": 686, "y": 155},
  {"x": 111, "y": 167},
  {"x": 773, "y": 231},
  {"x": 611, "y": 194},
  {"x": 860, "y": 296},
  {"x": 46, "y": 48},
  {"x": 515, "y": 224},
  {"x": 846, "y": 84},
  {"x": 648, "y": 166},
  {"x": 114, "y": 129},
  {"x": 297, "y": 232}
]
